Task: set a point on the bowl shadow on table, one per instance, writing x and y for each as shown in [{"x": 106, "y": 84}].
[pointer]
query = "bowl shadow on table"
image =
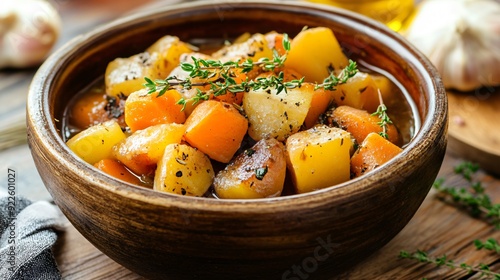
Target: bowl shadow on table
[{"x": 164, "y": 236}]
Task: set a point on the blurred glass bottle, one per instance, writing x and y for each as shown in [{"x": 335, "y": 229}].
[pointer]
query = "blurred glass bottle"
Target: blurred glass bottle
[{"x": 393, "y": 13}]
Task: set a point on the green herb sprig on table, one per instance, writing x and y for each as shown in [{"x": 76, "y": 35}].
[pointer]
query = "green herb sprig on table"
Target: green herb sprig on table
[
  {"x": 423, "y": 257},
  {"x": 474, "y": 199},
  {"x": 222, "y": 75},
  {"x": 491, "y": 244}
]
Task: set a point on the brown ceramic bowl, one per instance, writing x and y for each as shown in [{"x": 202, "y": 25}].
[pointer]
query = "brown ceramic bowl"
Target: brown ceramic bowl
[{"x": 164, "y": 236}]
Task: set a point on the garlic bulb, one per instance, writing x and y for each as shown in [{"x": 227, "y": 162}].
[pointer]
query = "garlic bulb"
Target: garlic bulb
[
  {"x": 28, "y": 30},
  {"x": 462, "y": 39}
]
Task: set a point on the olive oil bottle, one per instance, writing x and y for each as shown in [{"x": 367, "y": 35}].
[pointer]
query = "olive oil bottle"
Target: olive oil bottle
[{"x": 393, "y": 13}]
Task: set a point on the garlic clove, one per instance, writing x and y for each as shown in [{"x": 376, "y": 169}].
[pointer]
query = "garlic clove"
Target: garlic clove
[
  {"x": 462, "y": 39},
  {"x": 28, "y": 31}
]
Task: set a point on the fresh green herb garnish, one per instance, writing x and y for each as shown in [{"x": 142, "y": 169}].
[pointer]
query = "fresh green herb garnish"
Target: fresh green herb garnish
[
  {"x": 260, "y": 173},
  {"x": 220, "y": 77},
  {"x": 384, "y": 118},
  {"x": 332, "y": 81},
  {"x": 249, "y": 152}
]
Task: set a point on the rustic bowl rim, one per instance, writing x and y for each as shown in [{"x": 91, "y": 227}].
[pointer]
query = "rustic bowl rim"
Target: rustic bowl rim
[{"x": 38, "y": 110}]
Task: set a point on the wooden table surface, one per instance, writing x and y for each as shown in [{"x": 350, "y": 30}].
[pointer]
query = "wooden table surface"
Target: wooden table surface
[{"x": 437, "y": 228}]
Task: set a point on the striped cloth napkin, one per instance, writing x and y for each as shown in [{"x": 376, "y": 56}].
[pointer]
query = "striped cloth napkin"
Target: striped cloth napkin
[{"x": 28, "y": 231}]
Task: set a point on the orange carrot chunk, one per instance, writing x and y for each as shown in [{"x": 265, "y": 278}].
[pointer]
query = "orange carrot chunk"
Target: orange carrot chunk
[
  {"x": 117, "y": 170},
  {"x": 319, "y": 103},
  {"x": 144, "y": 110},
  {"x": 360, "y": 123},
  {"x": 96, "y": 107},
  {"x": 373, "y": 152},
  {"x": 217, "y": 129}
]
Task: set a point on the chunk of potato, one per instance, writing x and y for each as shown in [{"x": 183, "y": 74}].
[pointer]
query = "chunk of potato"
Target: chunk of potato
[
  {"x": 96, "y": 142},
  {"x": 142, "y": 150},
  {"x": 273, "y": 115},
  {"x": 255, "y": 48},
  {"x": 315, "y": 52},
  {"x": 183, "y": 170},
  {"x": 169, "y": 49},
  {"x": 360, "y": 92},
  {"x": 319, "y": 157},
  {"x": 256, "y": 173},
  {"x": 126, "y": 75}
]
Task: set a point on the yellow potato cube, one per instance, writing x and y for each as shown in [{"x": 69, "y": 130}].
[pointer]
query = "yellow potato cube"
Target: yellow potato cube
[
  {"x": 126, "y": 75},
  {"x": 359, "y": 92},
  {"x": 319, "y": 157},
  {"x": 255, "y": 47},
  {"x": 96, "y": 142},
  {"x": 315, "y": 52},
  {"x": 183, "y": 170},
  {"x": 169, "y": 49}
]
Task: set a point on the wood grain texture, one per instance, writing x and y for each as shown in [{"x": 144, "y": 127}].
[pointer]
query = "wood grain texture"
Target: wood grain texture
[
  {"x": 78, "y": 259},
  {"x": 474, "y": 126},
  {"x": 437, "y": 228}
]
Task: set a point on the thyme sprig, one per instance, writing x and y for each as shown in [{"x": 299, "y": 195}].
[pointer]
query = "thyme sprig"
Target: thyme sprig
[
  {"x": 491, "y": 244},
  {"x": 219, "y": 76},
  {"x": 423, "y": 257},
  {"x": 472, "y": 197},
  {"x": 332, "y": 81},
  {"x": 384, "y": 118},
  {"x": 228, "y": 84},
  {"x": 207, "y": 69}
]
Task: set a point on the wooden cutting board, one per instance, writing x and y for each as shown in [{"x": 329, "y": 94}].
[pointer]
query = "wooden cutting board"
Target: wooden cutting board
[{"x": 474, "y": 126}]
